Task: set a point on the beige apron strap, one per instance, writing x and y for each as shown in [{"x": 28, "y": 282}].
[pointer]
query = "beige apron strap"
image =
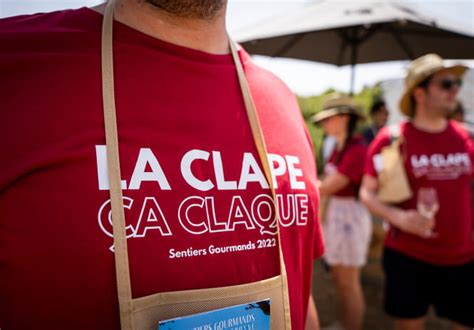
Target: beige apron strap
[
  {"x": 263, "y": 154},
  {"x": 113, "y": 164}
]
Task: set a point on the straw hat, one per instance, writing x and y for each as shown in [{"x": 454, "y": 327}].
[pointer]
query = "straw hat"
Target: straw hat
[
  {"x": 420, "y": 69},
  {"x": 337, "y": 104}
]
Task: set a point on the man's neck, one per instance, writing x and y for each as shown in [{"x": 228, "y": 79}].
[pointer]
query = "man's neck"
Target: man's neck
[
  {"x": 205, "y": 35},
  {"x": 429, "y": 123}
]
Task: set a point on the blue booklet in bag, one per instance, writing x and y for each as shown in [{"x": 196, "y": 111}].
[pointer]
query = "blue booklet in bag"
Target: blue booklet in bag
[{"x": 251, "y": 316}]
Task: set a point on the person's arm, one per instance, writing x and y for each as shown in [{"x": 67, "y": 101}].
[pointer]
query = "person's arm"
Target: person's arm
[
  {"x": 349, "y": 169},
  {"x": 332, "y": 183},
  {"x": 409, "y": 221},
  {"x": 312, "y": 320}
]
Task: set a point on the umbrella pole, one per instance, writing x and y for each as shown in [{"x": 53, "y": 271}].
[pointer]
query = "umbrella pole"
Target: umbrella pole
[
  {"x": 353, "y": 63},
  {"x": 352, "y": 79},
  {"x": 354, "y": 49}
]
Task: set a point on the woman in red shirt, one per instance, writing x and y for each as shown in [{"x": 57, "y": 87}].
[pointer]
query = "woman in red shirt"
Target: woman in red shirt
[{"x": 347, "y": 226}]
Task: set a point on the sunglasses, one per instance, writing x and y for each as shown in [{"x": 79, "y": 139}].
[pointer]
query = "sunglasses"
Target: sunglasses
[{"x": 447, "y": 84}]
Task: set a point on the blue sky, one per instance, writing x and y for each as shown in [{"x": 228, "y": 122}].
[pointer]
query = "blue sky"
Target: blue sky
[{"x": 303, "y": 77}]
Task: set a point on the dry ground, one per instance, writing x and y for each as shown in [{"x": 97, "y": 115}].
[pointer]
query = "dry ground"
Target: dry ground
[{"x": 372, "y": 282}]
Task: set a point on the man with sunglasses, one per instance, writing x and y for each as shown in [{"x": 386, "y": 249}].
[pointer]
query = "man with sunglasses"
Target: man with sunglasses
[{"x": 429, "y": 249}]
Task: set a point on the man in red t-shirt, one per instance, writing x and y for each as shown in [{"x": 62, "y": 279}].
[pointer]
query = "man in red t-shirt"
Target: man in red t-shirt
[
  {"x": 197, "y": 205},
  {"x": 429, "y": 249}
]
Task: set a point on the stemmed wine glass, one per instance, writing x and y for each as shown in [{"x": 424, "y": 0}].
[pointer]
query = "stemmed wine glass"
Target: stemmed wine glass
[{"x": 428, "y": 205}]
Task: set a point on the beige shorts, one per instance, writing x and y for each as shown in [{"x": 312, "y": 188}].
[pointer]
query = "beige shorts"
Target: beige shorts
[{"x": 347, "y": 232}]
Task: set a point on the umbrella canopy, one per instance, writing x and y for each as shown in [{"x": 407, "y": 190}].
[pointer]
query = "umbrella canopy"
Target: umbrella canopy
[{"x": 351, "y": 32}]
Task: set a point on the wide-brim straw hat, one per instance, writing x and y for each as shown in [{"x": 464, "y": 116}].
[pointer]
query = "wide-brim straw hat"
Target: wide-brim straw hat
[
  {"x": 337, "y": 105},
  {"x": 420, "y": 69}
]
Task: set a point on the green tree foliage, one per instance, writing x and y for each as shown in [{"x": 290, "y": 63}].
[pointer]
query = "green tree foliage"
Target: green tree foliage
[{"x": 313, "y": 104}]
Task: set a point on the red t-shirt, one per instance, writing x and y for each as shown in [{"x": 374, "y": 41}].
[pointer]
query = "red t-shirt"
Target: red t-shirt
[
  {"x": 196, "y": 202},
  {"x": 350, "y": 165},
  {"x": 442, "y": 161}
]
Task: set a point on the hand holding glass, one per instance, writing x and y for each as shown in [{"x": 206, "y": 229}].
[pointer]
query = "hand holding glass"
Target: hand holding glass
[{"x": 428, "y": 205}]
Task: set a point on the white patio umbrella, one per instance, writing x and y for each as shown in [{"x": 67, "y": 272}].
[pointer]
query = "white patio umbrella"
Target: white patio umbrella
[{"x": 358, "y": 31}]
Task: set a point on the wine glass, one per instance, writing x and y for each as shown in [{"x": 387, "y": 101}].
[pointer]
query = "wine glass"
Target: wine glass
[{"x": 428, "y": 205}]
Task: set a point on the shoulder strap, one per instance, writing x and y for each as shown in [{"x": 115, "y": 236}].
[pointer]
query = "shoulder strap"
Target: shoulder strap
[
  {"x": 397, "y": 133},
  {"x": 124, "y": 290},
  {"x": 394, "y": 131},
  {"x": 263, "y": 155}
]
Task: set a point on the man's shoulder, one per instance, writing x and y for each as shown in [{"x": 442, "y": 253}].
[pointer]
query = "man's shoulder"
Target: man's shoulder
[
  {"x": 460, "y": 129},
  {"x": 271, "y": 93},
  {"x": 33, "y": 22},
  {"x": 263, "y": 79},
  {"x": 391, "y": 132},
  {"x": 386, "y": 136},
  {"x": 19, "y": 30}
]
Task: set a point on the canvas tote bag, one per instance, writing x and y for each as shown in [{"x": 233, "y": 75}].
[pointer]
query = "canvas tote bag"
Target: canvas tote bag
[
  {"x": 145, "y": 312},
  {"x": 393, "y": 187}
]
